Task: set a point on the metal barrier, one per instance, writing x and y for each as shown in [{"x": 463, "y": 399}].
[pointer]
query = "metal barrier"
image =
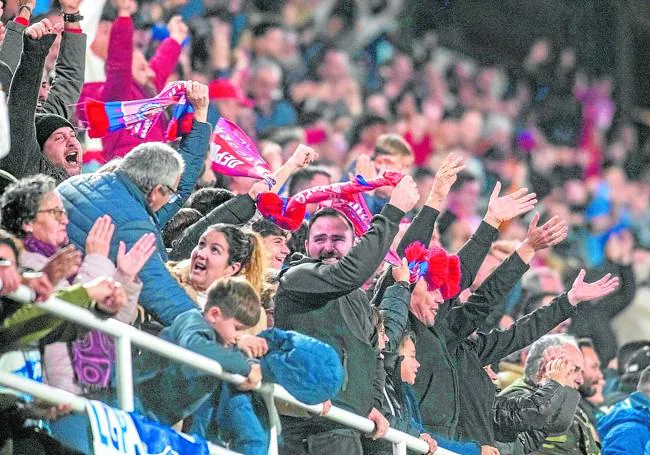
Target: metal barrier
[{"x": 126, "y": 335}]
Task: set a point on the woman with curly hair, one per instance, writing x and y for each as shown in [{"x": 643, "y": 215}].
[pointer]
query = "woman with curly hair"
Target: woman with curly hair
[{"x": 32, "y": 210}]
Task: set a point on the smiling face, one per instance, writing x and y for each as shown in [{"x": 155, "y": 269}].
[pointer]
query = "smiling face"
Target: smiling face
[
  {"x": 330, "y": 238},
  {"x": 425, "y": 304},
  {"x": 410, "y": 365},
  {"x": 63, "y": 150},
  {"x": 51, "y": 222},
  {"x": 209, "y": 261},
  {"x": 277, "y": 250}
]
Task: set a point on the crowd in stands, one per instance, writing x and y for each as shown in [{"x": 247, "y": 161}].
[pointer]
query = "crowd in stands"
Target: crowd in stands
[{"x": 497, "y": 302}]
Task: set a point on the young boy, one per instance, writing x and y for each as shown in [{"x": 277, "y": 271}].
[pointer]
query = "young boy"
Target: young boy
[{"x": 170, "y": 392}]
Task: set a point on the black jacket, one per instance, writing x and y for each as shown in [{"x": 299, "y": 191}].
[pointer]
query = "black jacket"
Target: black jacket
[
  {"x": 237, "y": 210},
  {"x": 525, "y": 414},
  {"x": 477, "y": 391},
  {"x": 326, "y": 302},
  {"x": 437, "y": 384}
]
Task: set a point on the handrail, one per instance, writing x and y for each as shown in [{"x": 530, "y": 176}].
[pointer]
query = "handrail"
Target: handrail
[
  {"x": 77, "y": 404},
  {"x": 176, "y": 353}
]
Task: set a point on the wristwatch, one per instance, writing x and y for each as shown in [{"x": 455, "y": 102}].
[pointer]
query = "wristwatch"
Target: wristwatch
[{"x": 74, "y": 17}]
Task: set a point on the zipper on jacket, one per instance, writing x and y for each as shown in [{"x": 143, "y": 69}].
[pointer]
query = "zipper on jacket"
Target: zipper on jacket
[{"x": 345, "y": 371}]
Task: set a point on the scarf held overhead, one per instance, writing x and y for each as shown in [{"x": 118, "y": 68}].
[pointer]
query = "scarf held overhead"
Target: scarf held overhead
[
  {"x": 289, "y": 213},
  {"x": 138, "y": 116},
  {"x": 233, "y": 153}
]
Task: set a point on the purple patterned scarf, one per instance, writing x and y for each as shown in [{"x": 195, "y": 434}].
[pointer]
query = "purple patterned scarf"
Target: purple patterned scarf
[
  {"x": 33, "y": 245},
  {"x": 92, "y": 359}
]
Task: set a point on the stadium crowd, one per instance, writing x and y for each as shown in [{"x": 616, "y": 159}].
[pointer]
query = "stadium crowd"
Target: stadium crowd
[{"x": 497, "y": 302}]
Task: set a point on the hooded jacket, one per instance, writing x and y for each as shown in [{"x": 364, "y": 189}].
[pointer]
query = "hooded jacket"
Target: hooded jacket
[
  {"x": 626, "y": 429},
  {"x": 87, "y": 197}
]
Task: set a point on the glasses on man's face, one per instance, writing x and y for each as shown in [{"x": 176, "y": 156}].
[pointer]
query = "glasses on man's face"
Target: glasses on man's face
[
  {"x": 57, "y": 213},
  {"x": 173, "y": 194}
]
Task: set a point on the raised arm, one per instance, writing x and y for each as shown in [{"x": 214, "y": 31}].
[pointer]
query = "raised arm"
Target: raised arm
[
  {"x": 70, "y": 66},
  {"x": 500, "y": 210},
  {"x": 25, "y": 156},
  {"x": 463, "y": 320},
  {"x": 119, "y": 76},
  {"x": 395, "y": 307},
  {"x": 193, "y": 148},
  {"x": 421, "y": 229},
  {"x": 166, "y": 57}
]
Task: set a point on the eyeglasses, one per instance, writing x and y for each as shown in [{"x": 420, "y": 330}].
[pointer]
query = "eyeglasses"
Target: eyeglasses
[
  {"x": 57, "y": 213},
  {"x": 173, "y": 194}
]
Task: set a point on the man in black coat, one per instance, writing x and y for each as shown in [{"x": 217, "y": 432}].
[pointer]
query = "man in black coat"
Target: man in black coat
[{"x": 321, "y": 296}]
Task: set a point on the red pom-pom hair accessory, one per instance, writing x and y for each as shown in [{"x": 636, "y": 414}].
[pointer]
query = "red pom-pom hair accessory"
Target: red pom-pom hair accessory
[
  {"x": 439, "y": 270},
  {"x": 451, "y": 287}
]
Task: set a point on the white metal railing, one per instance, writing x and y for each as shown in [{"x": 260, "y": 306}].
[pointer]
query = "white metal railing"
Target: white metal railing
[{"x": 126, "y": 335}]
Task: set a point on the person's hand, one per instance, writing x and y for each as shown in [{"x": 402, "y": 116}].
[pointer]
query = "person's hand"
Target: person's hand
[
  {"x": 381, "y": 424},
  {"x": 70, "y": 6},
  {"x": 40, "y": 284},
  {"x": 303, "y": 156},
  {"x": 99, "y": 236},
  {"x": 551, "y": 233},
  {"x": 444, "y": 179},
  {"x": 365, "y": 168},
  {"x": 197, "y": 94},
  {"x": 327, "y": 407},
  {"x": 620, "y": 248},
  {"x": 558, "y": 370},
  {"x": 40, "y": 29},
  {"x": 108, "y": 295},
  {"x": 489, "y": 450},
  {"x": 433, "y": 444},
  {"x": 125, "y": 8},
  {"x": 261, "y": 186},
  {"x": 2, "y": 30},
  {"x": 253, "y": 346},
  {"x": 64, "y": 264},
  {"x": 178, "y": 30},
  {"x": 253, "y": 379},
  {"x": 9, "y": 277},
  {"x": 130, "y": 263},
  {"x": 504, "y": 208},
  {"x": 584, "y": 292},
  {"x": 402, "y": 273},
  {"x": 39, "y": 410},
  {"x": 405, "y": 195}
]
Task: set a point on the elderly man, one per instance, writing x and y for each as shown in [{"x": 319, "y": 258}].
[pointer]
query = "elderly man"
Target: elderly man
[
  {"x": 549, "y": 402},
  {"x": 147, "y": 187}
]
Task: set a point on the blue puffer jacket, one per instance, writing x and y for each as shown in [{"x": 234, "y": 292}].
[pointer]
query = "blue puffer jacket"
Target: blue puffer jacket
[
  {"x": 89, "y": 196},
  {"x": 307, "y": 368},
  {"x": 626, "y": 429}
]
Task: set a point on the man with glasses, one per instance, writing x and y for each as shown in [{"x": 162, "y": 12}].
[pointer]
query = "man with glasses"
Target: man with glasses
[{"x": 141, "y": 194}]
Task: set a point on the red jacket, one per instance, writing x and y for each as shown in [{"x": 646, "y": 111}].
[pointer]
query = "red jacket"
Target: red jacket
[{"x": 120, "y": 86}]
